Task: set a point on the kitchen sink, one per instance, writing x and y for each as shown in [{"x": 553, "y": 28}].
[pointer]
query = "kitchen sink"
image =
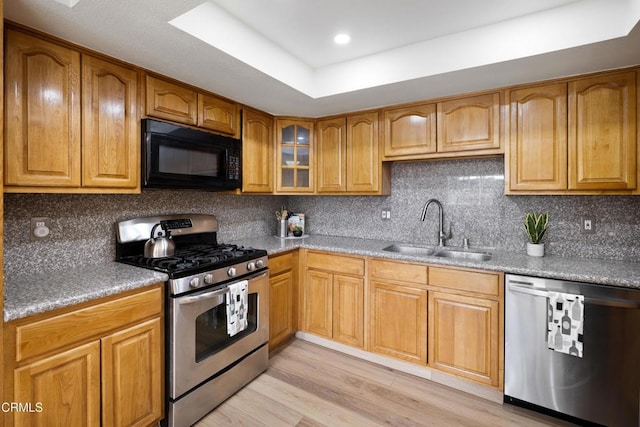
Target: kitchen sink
[
  {"x": 472, "y": 255},
  {"x": 410, "y": 249},
  {"x": 438, "y": 252}
]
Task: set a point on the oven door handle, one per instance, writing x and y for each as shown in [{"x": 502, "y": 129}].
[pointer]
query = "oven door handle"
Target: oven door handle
[
  {"x": 213, "y": 294},
  {"x": 202, "y": 297}
]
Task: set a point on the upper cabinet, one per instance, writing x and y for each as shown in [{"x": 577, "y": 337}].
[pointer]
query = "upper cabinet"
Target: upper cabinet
[
  {"x": 467, "y": 126},
  {"x": 294, "y": 151},
  {"x": 348, "y": 156},
  {"x": 410, "y": 131},
  {"x": 71, "y": 120},
  {"x": 183, "y": 104},
  {"x": 602, "y": 133},
  {"x": 574, "y": 137},
  {"x": 257, "y": 152}
]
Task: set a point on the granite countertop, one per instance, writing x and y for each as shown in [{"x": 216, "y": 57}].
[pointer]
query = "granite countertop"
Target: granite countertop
[
  {"x": 604, "y": 272},
  {"x": 29, "y": 294}
]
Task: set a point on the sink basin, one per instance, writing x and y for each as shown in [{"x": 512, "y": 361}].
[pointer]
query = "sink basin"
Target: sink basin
[
  {"x": 475, "y": 256},
  {"x": 410, "y": 249},
  {"x": 439, "y": 252}
]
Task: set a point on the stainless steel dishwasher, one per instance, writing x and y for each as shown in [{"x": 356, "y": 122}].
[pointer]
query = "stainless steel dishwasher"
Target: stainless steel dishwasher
[{"x": 602, "y": 386}]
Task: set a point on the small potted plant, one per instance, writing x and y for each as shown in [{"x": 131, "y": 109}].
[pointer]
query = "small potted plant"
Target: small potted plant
[
  {"x": 297, "y": 231},
  {"x": 536, "y": 227}
]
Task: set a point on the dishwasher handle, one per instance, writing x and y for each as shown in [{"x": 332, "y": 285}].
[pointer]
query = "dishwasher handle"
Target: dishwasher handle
[{"x": 517, "y": 286}]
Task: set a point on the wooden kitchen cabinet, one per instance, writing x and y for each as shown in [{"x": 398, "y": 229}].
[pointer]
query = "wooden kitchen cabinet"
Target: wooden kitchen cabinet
[
  {"x": 257, "y": 152},
  {"x": 183, "y": 104},
  {"x": 295, "y": 156},
  {"x": 171, "y": 101},
  {"x": 577, "y": 136},
  {"x": 348, "y": 156},
  {"x": 469, "y": 124},
  {"x": 409, "y": 131},
  {"x": 43, "y": 112},
  {"x": 72, "y": 120},
  {"x": 334, "y": 297},
  {"x": 282, "y": 298},
  {"x": 216, "y": 114},
  {"x": 110, "y": 135},
  {"x": 466, "y": 324},
  {"x": 398, "y": 304},
  {"x": 602, "y": 132},
  {"x": 538, "y": 140},
  {"x": 101, "y": 364}
]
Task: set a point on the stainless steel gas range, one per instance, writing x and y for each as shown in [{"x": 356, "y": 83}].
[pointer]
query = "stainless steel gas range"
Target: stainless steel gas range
[{"x": 217, "y": 319}]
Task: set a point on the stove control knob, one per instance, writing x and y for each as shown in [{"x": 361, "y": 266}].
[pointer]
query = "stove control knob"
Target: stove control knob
[
  {"x": 231, "y": 272},
  {"x": 251, "y": 266},
  {"x": 208, "y": 279},
  {"x": 259, "y": 263},
  {"x": 195, "y": 282}
]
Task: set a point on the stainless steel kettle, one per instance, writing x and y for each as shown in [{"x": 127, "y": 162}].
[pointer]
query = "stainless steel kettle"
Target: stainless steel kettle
[{"x": 160, "y": 246}]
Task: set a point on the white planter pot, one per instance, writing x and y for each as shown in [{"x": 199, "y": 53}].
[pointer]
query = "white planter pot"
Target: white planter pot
[{"x": 535, "y": 249}]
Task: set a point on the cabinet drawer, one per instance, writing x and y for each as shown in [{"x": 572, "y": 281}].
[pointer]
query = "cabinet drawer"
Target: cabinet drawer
[
  {"x": 394, "y": 270},
  {"x": 280, "y": 263},
  {"x": 335, "y": 263},
  {"x": 45, "y": 335},
  {"x": 471, "y": 281}
]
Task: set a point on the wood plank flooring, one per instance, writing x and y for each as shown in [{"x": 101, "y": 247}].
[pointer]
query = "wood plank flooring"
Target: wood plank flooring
[{"x": 309, "y": 385}]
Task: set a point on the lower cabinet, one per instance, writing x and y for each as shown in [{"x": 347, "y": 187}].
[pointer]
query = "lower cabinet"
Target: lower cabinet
[
  {"x": 398, "y": 310},
  {"x": 282, "y": 297},
  {"x": 99, "y": 365},
  {"x": 399, "y": 321},
  {"x": 334, "y": 297},
  {"x": 466, "y": 324}
]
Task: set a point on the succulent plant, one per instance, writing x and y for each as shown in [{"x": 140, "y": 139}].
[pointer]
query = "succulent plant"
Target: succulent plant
[{"x": 536, "y": 226}]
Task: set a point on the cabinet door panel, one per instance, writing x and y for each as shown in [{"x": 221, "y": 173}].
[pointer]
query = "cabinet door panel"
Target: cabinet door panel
[
  {"x": 67, "y": 385},
  {"x": 257, "y": 152},
  {"x": 318, "y": 304},
  {"x": 170, "y": 101},
  {"x": 363, "y": 161},
  {"x": 348, "y": 310},
  {"x": 410, "y": 131},
  {"x": 42, "y": 87},
  {"x": 471, "y": 123},
  {"x": 332, "y": 156},
  {"x": 538, "y": 143},
  {"x": 295, "y": 156},
  {"x": 602, "y": 133},
  {"x": 132, "y": 376},
  {"x": 399, "y": 321},
  {"x": 110, "y": 135},
  {"x": 280, "y": 308},
  {"x": 463, "y": 336},
  {"x": 217, "y": 114}
]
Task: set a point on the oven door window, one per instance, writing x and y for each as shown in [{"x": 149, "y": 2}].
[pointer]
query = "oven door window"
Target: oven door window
[{"x": 211, "y": 328}]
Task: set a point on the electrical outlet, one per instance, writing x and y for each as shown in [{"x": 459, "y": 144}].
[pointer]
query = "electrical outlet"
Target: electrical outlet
[
  {"x": 386, "y": 213},
  {"x": 588, "y": 225},
  {"x": 40, "y": 228}
]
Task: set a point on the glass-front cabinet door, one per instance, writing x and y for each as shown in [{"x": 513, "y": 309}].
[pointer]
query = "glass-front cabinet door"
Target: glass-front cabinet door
[{"x": 295, "y": 170}]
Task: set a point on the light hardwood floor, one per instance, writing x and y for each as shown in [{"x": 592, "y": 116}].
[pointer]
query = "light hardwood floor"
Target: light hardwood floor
[{"x": 309, "y": 385}]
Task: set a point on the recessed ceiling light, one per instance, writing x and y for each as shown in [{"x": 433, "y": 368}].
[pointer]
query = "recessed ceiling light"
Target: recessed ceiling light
[{"x": 342, "y": 38}]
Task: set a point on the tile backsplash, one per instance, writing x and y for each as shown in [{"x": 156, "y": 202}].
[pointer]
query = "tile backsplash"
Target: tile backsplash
[
  {"x": 471, "y": 191},
  {"x": 83, "y": 225}
]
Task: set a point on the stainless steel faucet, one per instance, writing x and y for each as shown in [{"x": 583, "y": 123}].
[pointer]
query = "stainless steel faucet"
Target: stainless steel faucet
[{"x": 441, "y": 234}]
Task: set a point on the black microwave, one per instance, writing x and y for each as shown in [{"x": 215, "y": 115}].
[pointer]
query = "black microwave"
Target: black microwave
[{"x": 179, "y": 157}]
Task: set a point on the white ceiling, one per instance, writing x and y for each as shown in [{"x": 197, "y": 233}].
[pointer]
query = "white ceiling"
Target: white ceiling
[{"x": 278, "y": 55}]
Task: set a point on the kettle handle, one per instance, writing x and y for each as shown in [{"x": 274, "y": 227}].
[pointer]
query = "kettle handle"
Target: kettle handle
[{"x": 153, "y": 231}]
